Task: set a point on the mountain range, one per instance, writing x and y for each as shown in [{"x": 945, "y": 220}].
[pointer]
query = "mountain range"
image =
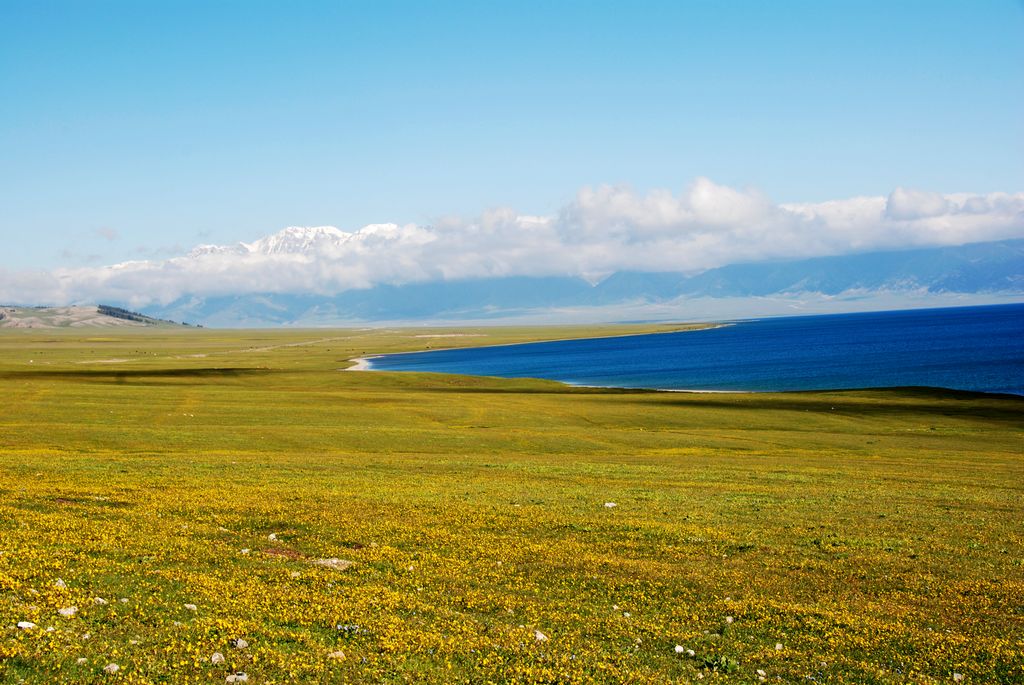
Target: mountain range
[{"x": 935, "y": 276}]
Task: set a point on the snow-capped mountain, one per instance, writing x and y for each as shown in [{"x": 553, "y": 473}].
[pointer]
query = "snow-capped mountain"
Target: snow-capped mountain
[
  {"x": 294, "y": 240},
  {"x": 299, "y": 240}
]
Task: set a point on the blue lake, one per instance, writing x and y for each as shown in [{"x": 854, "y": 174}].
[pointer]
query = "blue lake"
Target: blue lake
[{"x": 965, "y": 348}]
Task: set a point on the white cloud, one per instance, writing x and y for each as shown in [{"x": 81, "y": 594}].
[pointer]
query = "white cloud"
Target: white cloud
[
  {"x": 601, "y": 231},
  {"x": 916, "y": 204}
]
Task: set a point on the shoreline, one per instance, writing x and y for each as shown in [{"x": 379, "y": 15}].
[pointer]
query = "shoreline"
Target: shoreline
[{"x": 364, "y": 363}]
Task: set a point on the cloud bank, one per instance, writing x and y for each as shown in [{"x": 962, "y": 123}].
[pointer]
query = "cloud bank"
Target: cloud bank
[{"x": 601, "y": 231}]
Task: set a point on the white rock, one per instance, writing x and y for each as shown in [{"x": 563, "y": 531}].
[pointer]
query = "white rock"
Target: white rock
[
  {"x": 239, "y": 643},
  {"x": 337, "y": 655},
  {"x": 761, "y": 672},
  {"x": 26, "y": 625},
  {"x": 68, "y": 611},
  {"x": 680, "y": 649},
  {"x": 111, "y": 668},
  {"x": 610, "y": 505},
  {"x": 60, "y": 584},
  {"x": 690, "y": 653},
  {"x": 191, "y": 607},
  {"x": 541, "y": 637},
  {"x": 123, "y": 600},
  {"x": 335, "y": 563},
  {"x": 216, "y": 658},
  {"x": 272, "y": 537},
  {"x": 81, "y": 660},
  {"x": 778, "y": 646},
  {"x": 99, "y": 601},
  {"x": 728, "y": 619},
  {"x": 295, "y": 574},
  {"x": 237, "y": 678},
  {"x": 246, "y": 550}
]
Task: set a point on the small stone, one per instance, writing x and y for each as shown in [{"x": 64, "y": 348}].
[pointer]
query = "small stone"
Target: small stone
[
  {"x": 68, "y": 611},
  {"x": 216, "y": 658},
  {"x": 680, "y": 649},
  {"x": 60, "y": 584},
  {"x": 81, "y": 660},
  {"x": 295, "y": 574},
  {"x": 272, "y": 537},
  {"x": 246, "y": 550},
  {"x": 123, "y": 600},
  {"x": 133, "y": 642},
  {"x": 778, "y": 646},
  {"x": 690, "y": 653},
  {"x": 729, "y": 619},
  {"x": 239, "y": 677},
  {"x": 239, "y": 643},
  {"x": 26, "y": 625},
  {"x": 340, "y": 655},
  {"x": 541, "y": 637},
  {"x": 761, "y": 672},
  {"x": 191, "y": 607},
  {"x": 610, "y": 505},
  {"x": 99, "y": 601},
  {"x": 111, "y": 668}
]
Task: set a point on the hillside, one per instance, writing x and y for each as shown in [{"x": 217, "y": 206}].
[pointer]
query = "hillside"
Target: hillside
[{"x": 80, "y": 316}]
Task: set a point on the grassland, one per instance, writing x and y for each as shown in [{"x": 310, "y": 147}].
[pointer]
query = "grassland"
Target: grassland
[{"x": 177, "y": 486}]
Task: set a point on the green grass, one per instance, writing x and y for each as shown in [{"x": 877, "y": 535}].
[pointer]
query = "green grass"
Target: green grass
[{"x": 875, "y": 535}]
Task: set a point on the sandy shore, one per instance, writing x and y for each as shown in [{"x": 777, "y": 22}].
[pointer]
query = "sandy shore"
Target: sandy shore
[{"x": 361, "y": 364}]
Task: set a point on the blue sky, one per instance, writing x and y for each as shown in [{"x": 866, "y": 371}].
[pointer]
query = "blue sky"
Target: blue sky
[{"x": 139, "y": 129}]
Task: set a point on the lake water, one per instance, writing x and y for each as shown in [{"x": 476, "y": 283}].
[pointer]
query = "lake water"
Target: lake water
[{"x": 966, "y": 348}]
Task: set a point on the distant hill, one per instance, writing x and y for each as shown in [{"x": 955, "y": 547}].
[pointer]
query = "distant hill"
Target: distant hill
[
  {"x": 99, "y": 316},
  {"x": 888, "y": 279}
]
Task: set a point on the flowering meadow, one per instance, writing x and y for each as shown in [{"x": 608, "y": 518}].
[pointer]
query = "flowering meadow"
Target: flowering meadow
[{"x": 209, "y": 506}]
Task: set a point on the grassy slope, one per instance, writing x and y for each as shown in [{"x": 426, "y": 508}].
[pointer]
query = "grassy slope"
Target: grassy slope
[
  {"x": 80, "y": 317},
  {"x": 875, "y": 536}
]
